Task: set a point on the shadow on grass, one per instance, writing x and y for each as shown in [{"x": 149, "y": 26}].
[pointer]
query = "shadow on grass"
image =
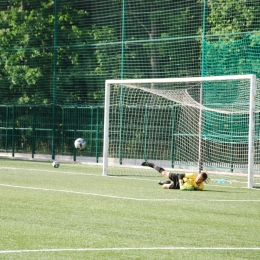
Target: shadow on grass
[{"x": 224, "y": 191}]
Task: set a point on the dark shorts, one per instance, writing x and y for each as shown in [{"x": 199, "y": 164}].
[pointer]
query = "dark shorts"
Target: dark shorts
[{"x": 174, "y": 177}]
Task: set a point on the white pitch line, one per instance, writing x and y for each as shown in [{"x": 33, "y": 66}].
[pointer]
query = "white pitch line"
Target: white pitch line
[
  {"x": 120, "y": 197},
  {"x": 76, "y": 173},
  {"x": 50, "y": 171},
  {"x": 113, "y": 176},
  {"x": 127, "y": 249}
]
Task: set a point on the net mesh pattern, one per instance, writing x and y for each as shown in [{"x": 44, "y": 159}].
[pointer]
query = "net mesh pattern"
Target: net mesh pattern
[{"x": 170, "y": 123}]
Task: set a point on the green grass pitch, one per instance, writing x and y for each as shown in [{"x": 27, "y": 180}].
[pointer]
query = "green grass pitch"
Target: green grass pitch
[{"x": 74, "y": 212}]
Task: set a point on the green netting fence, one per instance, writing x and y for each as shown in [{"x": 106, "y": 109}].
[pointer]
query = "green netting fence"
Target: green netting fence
[
  {"x": 29, "y": 129},
  {"x": 56, "y": 55}
]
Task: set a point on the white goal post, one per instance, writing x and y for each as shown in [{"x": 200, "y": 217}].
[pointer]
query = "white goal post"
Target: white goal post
[{"x": 199, "y": 122}]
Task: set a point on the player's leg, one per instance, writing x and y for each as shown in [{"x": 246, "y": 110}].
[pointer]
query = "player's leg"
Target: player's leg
[
  {"x": 157, "y": 168},
  {"x": 165, "y": 173},
  {"x": 173, "y": 183}
]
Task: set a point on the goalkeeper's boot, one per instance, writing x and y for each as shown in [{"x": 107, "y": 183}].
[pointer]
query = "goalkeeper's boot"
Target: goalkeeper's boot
[
  {"x": 152, "y": 165},
  {"x": 148, "y": 164},
  {"x": 164, "y": 182}
]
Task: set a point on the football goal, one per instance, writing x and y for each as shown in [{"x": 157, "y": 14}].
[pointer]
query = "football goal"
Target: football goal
[{"x": 181, "y": 123}]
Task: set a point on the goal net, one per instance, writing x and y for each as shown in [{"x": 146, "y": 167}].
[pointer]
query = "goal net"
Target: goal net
[{"x": 182, "y": 124}]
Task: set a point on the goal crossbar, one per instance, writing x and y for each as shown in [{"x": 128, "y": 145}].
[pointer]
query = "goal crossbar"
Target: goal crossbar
[{"x": 170, "y": 80}]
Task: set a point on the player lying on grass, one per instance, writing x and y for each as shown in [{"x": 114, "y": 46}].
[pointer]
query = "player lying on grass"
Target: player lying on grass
[{"x": 183, "y": 181}]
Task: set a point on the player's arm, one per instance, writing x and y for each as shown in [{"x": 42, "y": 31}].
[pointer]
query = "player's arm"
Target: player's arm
[
  {"x": 181, "y": 176},
  {"x": 183, "y": 184},
  {"x": 187, "y": 176}
]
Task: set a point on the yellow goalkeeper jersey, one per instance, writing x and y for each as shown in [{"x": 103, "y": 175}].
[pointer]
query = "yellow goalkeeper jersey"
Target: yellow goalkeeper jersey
[{"x": 189, "y": 182}]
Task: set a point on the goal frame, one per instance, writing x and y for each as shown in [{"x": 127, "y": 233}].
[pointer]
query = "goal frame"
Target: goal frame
[{"x": 251, "y": 128}]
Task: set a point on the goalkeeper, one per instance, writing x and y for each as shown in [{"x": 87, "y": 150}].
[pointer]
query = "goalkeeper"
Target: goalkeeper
[{"x": 187, "y": 181}]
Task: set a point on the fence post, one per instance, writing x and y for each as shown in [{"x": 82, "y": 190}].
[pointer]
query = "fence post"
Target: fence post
[
  {"x": 33, "y": 132},
  {"x": 75, "y": 129},
  {"x": 7, "y": 112},
  {"x": 97, "y": 134},
  {"x": 53, "y": 132},
  {"x": 13, "y": 132}
]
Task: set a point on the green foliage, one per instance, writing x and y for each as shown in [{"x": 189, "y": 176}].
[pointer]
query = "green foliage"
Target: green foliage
[
  {"x": 62, "y": 51},
  {"x": 231, "y": 17},
  {"x": 233, "y": 39},
  {"x": 26, "y": 31}
]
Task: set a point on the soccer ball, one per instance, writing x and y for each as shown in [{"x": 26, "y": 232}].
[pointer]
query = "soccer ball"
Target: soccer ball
[
  {"x": 80, "y": 143},
  {"x": 56, "y": 164}
]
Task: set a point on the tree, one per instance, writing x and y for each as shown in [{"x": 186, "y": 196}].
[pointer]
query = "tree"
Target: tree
[
  {"x": 28, "y": 30},
  {"x": 231, "y": 17},
  {"x": 162, "y": 26},
  {"x": 236, "y": 25}
]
